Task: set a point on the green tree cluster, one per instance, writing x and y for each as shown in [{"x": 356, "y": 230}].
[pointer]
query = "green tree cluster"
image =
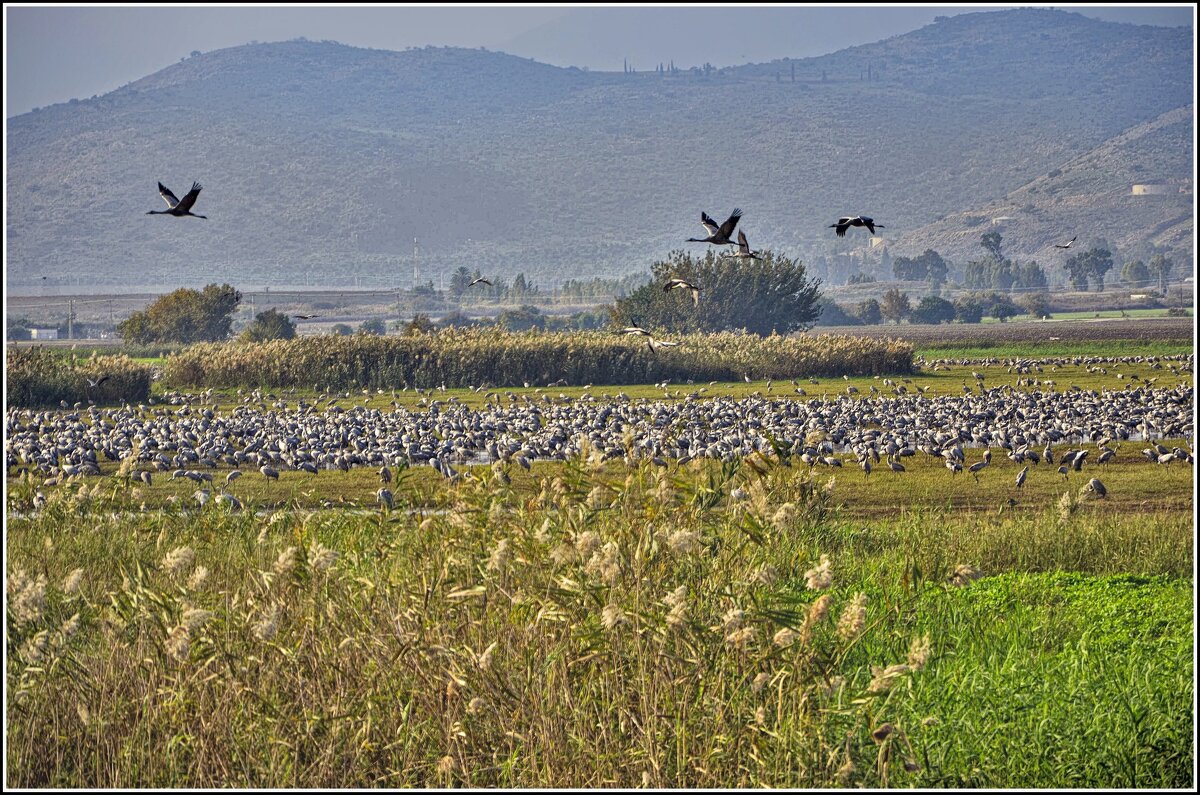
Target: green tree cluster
[
  {"x": 185, "y": 316},
  {"x": 928, "y": 267},
  {"x": 895, "y": 305},
  {"x": 996, "y": 272},
  {"x": 933, "y": 310},
  {"x": 765, "y": 296},
  {"x": 1089, "y": 267},
  {"x": 270, "y": 325}
]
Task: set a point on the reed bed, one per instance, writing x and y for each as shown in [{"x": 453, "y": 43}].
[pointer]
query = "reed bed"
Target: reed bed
[
  {"x": 459, "y": 358},
  {"x": 41, "y": 377},
  {"x": 679, "y": 627}
]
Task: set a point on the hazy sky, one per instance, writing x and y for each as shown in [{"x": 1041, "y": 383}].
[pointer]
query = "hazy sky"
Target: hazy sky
[{"x": 53, "y": 54}]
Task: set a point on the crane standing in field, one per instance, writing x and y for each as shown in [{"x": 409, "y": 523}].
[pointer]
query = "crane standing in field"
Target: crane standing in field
[{"x": 178, "y": 207}]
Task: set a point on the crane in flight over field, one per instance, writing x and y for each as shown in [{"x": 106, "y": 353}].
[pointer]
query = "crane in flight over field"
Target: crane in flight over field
[
  {"x": 718, "y": 235},
  {"x": 480, "y": 280},
  {"x": 1067, "y": 244},
  {"x": 685, "y": 284},
  {"x": 859, "y": 220},
  {"x": 744, "y": 251},
  {"x": 176, "y": 206}
]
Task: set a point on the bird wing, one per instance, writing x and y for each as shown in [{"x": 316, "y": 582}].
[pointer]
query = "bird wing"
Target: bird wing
[
  {"x": 743, "y": 246},
  {"x": 709, "y": 224},
  {"x": 187, "y": 201},
  {"x": 167, "y": 196},
  {"x": 672, "y": 284},
  {"x": 727, "y": 228},
  {"x": 870, "y": 224}
]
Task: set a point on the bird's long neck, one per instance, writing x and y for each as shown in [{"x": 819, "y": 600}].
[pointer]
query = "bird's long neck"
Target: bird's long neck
[{"x": 156, "y": 212}]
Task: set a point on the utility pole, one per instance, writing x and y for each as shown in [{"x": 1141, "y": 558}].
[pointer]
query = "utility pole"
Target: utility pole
[
  {"x": 416, "y": 253},
  {"x": 70, "y": 318}
]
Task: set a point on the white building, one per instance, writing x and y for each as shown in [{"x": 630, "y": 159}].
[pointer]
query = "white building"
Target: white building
[{"x": 43, "y": 333}]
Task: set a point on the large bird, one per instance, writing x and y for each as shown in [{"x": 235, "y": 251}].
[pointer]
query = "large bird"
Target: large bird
[
  {"x": 858, "y": 220},
  {"x": 1067, "y": 244},
  {"x": 176, "y": 206},
  {"x": 718, "y": 235},
  {"x": 480, "y": 280},
  {"x": 675, "y": 284},
  {"x": 656, "y": 344},
  {"x": 744, "y": 251}
]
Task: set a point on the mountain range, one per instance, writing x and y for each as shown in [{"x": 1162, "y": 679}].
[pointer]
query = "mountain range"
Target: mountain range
[{"x": 321, "y": 163}]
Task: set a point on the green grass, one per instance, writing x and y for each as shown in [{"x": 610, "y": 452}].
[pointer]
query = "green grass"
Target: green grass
[
  {"x": 1061, "y": 679},
  {"x": 1031, "y": 350},
  {"x": 1082, "y": 315},
  {"x": 1067, "y": 664}
]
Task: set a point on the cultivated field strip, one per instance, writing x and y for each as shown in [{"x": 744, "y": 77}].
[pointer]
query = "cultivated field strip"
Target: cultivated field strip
[{"x": 1067, "y": 331}]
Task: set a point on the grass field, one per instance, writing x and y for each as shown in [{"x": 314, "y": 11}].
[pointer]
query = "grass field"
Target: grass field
[
  {"x": 749, "y": 624},
  {"x": 583, "y": 630}
]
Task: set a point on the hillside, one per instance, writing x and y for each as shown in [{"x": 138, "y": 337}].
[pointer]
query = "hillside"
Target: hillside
[
  {"x": 1090, "y": 196},
  {"x": 322, "y": 162}
]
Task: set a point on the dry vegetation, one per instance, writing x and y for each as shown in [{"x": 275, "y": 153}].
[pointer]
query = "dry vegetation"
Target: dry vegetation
[{"x": 461, "y": 358}]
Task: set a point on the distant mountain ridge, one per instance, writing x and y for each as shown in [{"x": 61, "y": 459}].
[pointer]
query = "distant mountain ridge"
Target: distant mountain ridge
[
  {"x": 1091, "y": 196},
  {"x": 324, "y": 162}
]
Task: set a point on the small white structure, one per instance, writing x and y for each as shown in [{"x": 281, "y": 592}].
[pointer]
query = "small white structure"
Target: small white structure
[
  {"x": 1154, "y": 189},
  {"x": 43, "y": 333},
  {"x": 1138, "y": 297}
]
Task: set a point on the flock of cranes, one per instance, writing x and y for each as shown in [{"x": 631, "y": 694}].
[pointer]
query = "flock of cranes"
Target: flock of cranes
[{"x": 722, "y": 235}]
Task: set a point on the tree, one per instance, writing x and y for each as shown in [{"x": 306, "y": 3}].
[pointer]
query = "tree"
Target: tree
[
  {"x": 868, "y": 312},
  {"x": 1135, "y": 273},
  {"x": 270, "y": 325},
  {"x": 834, "y": 315},
  {"x": 523, "y": 318},
  {"x": 771, "y": 295},
  {"x": 936, "y": 268},
  {"x": 456, "y": 319},
  {"x": 933, "y": 310},
  {"x": 1002, "y": 307},
  {"x": 928, "y": 267},
  {"x": 420, "y": 324},
  {"x": 459, "y": 282},
  {"x": 968, "y": 309},
  {"x": 908, "y": 269},
  {"x": 1036, "y": 304},
  {"x": 374, "y": 326},
  {"x": 1078, "y": 270},
  {"x": 991, "y": 243},
  {"x": 341, "y": 330},
  {"x": 184, "y": 316},
  {"x": 1099, "y": 263},
  {"x": 895, "y": 306},
  {"x": 1030, "y": 276},
  {"x": 1160, "y": 268}
]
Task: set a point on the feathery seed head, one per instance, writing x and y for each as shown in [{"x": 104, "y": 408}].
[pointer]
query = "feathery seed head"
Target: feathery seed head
[
  {"x": 179, "y": 560},
  {"x": 819, "y": 578},
  {"x": 853, "y": 618}
]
